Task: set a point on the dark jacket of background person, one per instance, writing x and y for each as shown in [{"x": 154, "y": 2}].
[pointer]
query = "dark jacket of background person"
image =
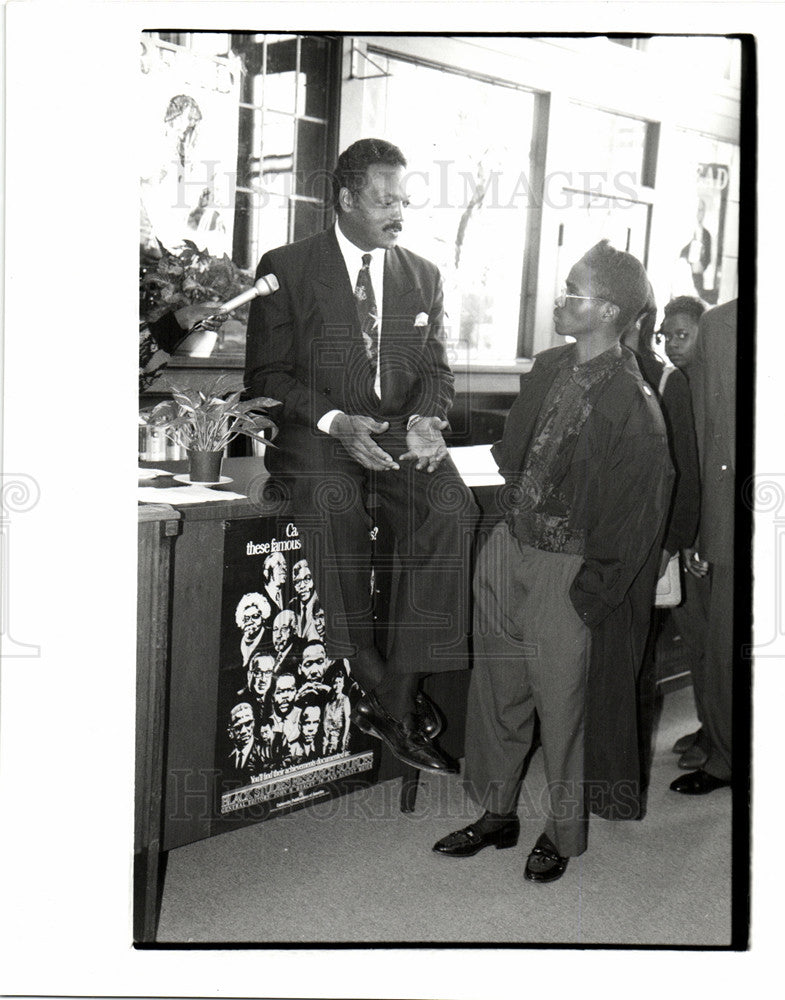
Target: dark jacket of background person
[
  {"x": 621, "y": 454},
  {"x": 676, "y": 404},
  {"x": 713, "y": 387}
]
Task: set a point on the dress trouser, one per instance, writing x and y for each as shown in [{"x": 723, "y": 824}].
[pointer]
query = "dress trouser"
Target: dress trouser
[
  {"x": 531, "y": 653},
  {"x": 690, "y": 620},
  {"x": 718, "y": 673},
  {"x": 431, "y": 516}
]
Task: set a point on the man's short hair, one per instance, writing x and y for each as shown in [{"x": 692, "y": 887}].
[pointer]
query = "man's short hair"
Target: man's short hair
[
  {"x": 350, "y": 171},
  {"x": 285, "y": 617},
  {"x": 688, "y": 304},
  {"x": 274, "y": 557},
  {"x": 620, "y": 278}
]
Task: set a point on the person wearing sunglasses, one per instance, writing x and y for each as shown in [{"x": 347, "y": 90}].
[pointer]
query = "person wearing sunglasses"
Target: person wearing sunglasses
[{"x": 563, "y": 586}]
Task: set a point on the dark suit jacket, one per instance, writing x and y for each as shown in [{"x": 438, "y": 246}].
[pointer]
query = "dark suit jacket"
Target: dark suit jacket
[
  {"x": 304, "y": 346},
  {"x": 714, "y": 392}
]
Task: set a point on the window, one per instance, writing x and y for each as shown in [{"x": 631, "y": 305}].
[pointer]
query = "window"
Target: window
[
  {"x": 286, "y": 146},
  {"x": 248, "y": 123},
  {"x": 468, "y": 148}
]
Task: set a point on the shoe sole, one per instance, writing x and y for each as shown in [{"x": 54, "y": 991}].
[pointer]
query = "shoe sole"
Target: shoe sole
[
  {"x": 371, "y": 730},
  {"x": 542, "y": 880}
]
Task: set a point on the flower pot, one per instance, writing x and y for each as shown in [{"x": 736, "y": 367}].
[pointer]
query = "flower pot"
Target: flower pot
[{"x": 205, "y": 466}]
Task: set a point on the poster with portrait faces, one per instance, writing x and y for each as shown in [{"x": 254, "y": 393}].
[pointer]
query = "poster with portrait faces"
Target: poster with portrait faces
[{"x": 284, "y": 731}]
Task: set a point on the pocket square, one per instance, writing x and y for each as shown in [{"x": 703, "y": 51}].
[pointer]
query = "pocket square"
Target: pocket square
[{"x": 421, "y": 319}]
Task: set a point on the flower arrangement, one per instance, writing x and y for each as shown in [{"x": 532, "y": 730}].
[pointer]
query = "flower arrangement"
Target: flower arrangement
[
  {"x": 168, "y": 281},
  {"x": 208, "y": 419}
]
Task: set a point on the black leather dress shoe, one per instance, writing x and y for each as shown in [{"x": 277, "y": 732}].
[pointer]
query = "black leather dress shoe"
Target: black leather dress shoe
[
  {"x": 467, "y": 842},
  {"x": 410, "y": 747},
  {"x": 428, "y": 717},
  {"x": 698, "y": 783},
  {"x": 545, "y": 864},
  {"x": 693, "y": 758},
  {"x": 685, "y": 742}
]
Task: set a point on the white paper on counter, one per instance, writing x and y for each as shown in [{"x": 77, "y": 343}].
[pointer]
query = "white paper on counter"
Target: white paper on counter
[
  {"x": 476, "y": 465},
  {"x": 152, "y": 473},
  {"x": 185, "y": 494}
]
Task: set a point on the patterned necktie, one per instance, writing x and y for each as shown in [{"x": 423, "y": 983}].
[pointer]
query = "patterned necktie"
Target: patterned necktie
[{"x": 366, "y": 311}]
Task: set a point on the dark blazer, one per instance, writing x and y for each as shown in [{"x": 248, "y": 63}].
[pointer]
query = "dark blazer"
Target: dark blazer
[
  {"x": 676, "y": 403},
  {"x": 713, "y": 386},
  {"x": 304, "y": 346}
]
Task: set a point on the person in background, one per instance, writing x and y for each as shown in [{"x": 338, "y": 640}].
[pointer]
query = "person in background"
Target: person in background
[
  {"x": 337, "y": 711},
  {"x": 714, "y": 393},
  {"x": 158, "y": 340},
  {"x": 252, "y": 611},
  {"x": 310, "y": 740},
  {"x": 284, "y": 714},
  {"x": 303, "y": 603},
  {"x": 245, "y": 758},
  {"x": 697, "y": 252},
  {"x": 275, "y": 573},
  {"x": 679, "y": 331},
  {"x": 673, "y": 393},
  {"x": 564, "y": 585},
  {"x": 287, "y": 645}
]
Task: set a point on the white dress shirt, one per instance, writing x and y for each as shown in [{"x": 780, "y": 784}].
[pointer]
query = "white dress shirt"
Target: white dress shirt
[{"x": 353, "y": 258}]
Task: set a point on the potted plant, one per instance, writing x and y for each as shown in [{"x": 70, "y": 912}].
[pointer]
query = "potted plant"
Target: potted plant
[{"x": 204, "y": 421}]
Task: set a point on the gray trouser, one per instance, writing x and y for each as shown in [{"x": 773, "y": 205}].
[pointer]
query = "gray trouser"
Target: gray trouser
[{"x": 531, "y": 652}]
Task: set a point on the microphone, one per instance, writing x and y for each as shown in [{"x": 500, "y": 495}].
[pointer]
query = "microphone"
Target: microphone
[
  {"x": 264, "y": 286},
  {"x": 201, "y": 337}
]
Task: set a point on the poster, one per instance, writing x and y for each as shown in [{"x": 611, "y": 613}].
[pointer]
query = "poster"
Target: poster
[
  {"x": 701, "y": 255},
  {"x": 188, "y": 155},
  {"x": 284, "y": 735}
]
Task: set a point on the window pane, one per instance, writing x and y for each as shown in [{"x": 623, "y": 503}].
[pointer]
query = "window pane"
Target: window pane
[
  {"x": 281, "y": 78},
  {"x": 603, "y": 144},
  {"x": 308, "y": 219},
  {"x": 249, "y": 148},
  {"x": 278, "y": 153},
  {"x": 467, "y": 184},
  {"x": 272, "y": 225},
  {"x": 313, "y": 77},
  {"x": 311, "y": 152}
]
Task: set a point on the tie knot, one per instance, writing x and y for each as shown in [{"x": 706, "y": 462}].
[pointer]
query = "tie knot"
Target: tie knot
[{"x": 366, "y": 260}]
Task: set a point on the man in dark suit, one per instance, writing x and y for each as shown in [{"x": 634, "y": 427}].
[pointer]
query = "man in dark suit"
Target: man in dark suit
[
  {"x": 246, "y": 756},
  {"x": 713, "y": 385},
  {"x": 352, "y": 344},
  {"x": 287, "y": 645}
]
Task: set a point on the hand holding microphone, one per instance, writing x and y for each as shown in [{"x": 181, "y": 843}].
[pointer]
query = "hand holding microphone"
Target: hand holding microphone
[{"x": 208, "y": 324}]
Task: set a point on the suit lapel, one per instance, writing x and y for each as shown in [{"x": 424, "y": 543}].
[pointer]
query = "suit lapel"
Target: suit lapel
[
  {"x": 333, "y": 288},
  {"x": 399, "y": 292}
]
